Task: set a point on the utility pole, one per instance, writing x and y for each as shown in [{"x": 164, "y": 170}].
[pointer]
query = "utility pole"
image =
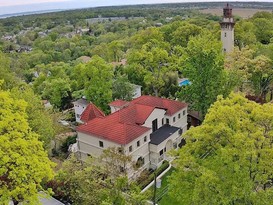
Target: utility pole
[{"x": 154, "y": 188}]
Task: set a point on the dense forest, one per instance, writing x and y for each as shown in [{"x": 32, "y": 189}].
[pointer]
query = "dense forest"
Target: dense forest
[{"x": 101, "y": 53}]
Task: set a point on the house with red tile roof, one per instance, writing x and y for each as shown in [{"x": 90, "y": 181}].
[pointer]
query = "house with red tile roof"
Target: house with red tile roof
[
  {"x": 85, "y": 111},
  {"x": 79, "y": 107},
  {"x": 145, "y": 128}
]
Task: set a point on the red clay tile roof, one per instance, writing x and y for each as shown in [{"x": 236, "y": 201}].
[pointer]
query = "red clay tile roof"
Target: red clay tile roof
[
  {"x": 111, "y": 130},
  {"x": 91, "y": 112},
  {"x": 125, "y": 125},
  {"x": 171, "y": 106},
  {"x": 118, "y": 103}
]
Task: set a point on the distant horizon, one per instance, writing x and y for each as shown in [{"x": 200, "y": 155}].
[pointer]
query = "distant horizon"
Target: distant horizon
[{"x": 31, "y": 6}]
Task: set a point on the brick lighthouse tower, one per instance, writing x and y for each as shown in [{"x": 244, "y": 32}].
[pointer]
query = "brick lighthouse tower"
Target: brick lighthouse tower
[{"x": 227, "y": 29}]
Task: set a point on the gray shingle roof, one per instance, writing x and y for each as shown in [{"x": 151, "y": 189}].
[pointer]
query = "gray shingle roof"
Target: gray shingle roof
[{"x": 162, "y": 134}]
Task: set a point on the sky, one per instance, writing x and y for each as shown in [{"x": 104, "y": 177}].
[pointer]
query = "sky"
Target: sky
[{"x": 17, "y": 6}]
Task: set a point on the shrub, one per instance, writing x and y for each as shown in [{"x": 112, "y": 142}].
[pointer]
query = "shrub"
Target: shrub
[{"x": 150, "y": 178}]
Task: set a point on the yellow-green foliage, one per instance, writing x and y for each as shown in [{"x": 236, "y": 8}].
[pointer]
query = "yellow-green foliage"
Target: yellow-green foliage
[
  {"x": 24, "y": 164},
  {"x": 228, "y": 159}
]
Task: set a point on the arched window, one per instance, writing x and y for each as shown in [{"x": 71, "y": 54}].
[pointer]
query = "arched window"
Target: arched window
[{"x": 140, "y": 162}]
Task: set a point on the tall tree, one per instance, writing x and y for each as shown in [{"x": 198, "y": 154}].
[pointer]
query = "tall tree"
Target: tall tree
[
  {"x": 237, "y": 65},
  {"x": 153, "y": 62},
  {"x": 122, "y": 88},
  {"x": 96, "y": 77},
  {"x": 24, "y": 164},
  {"x": 39, "y": 119},
  {"x": 58, "y": 92},
  {"x": 103, "y": 180},
  {"x": 182, "y": 34},
  {"x": 261, "y": 75},
  {"x": 203, "y": 65},
  {"x": 228, "y": 159},
  {"x": 5, "y": 72},
  {"x": 263, "y": 27},
  {"x": 245, "y": 34}
]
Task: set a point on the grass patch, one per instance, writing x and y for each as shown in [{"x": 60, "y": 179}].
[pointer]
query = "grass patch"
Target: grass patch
[{"x": 162, "y": 196}]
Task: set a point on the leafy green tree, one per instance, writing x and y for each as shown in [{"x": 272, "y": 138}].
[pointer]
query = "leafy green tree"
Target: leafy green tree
[
  {"x": 24, "y": 164},
  {"x": 261, "y": 78},
  {"x": 152, "y": 61},
  {"x": 245, "y": 33},
  {"x": 182, "y": 34},
  {"x": 237, "y": 65},
  {"x": 96, "y": 77},
  {"x": 58, "y": 92},
  {"x": 38, "y": 117},
  {"x": 150, "y": 35},
  {"x": 116, "y": 50},
  {"x": 122, "y": 88},
  {"x": 263, "y": 29},
  {"x": 228, "y": 159},
  {"x": 5, "y": 73},
  {"x": 250, "y": 71},
  {"x": 103, "y": 180},
  {"x": 203, "y": 65}
]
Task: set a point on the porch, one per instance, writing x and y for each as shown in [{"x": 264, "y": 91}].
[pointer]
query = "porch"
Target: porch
[{"x": 162, "y": 141}]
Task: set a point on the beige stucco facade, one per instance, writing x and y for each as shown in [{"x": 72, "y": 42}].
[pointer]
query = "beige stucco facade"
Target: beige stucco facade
[
  {"x": 140, "y": 147},
  {"x": 227, "y": 35}
]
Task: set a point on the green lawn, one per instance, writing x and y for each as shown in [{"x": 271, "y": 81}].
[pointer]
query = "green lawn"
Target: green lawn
[
  {"x": 162, "y": 193},
  {"x": 166, "y": 200}
]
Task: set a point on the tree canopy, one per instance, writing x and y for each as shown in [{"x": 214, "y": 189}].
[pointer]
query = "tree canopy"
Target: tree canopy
[
  {"x": 203, "y": 65},
  {"x": 228, "y": 159},
  {"x": 24, "y": 164}
]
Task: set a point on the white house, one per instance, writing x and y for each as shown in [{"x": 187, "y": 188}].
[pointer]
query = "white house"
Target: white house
[
  {"x": 136, "y": 91},
  {"x": 79, "y": 106},
  {"x": 145, "y": 128}
]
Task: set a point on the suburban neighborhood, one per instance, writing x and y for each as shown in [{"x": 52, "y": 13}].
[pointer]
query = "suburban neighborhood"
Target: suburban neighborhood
[{"x": 145, "y": 103}]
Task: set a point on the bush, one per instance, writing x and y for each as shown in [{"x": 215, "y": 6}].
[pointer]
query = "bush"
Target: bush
[{"x": 150, "y": 178}]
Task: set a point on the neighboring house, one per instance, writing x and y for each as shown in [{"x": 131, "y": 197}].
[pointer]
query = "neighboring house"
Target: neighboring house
[
  {"x": 145, "y": 128},
  {"x": 44, "y": 200},
  {"x": 79, "y": 107},
  {"x": 91, "y": 112},
  {"x": 84, "y": 59},
  {"x": 194, "y": 119},
  {"x": 136, "y": 91}
]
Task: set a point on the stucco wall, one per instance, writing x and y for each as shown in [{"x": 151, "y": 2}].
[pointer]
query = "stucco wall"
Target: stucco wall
[
  {"x": 156, "y": 114},
  {"x": 137, "y": 91},
  {"x": 227, "y": 38},
  {"x": 90, "y": 144},
  {"x": 79, "y": 108}
]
